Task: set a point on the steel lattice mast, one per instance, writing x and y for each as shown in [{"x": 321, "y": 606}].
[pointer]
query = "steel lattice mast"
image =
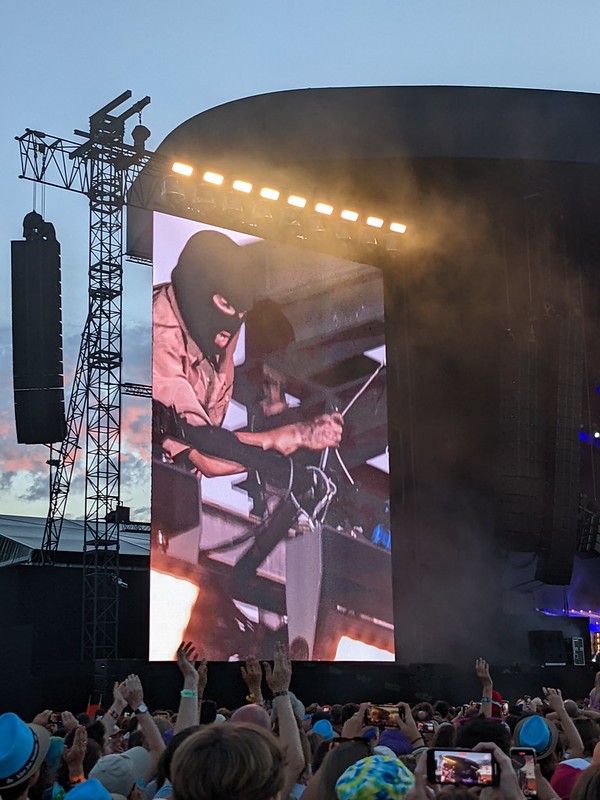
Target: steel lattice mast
[{"x": 102, "y": 168}]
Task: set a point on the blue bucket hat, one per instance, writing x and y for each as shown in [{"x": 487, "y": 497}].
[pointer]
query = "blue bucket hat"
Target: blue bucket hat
[
  {"x": 23, "y": 749},
  {"x": 323, "y": 727}
]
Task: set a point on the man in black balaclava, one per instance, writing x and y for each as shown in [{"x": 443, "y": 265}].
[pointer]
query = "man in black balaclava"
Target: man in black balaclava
[{"x": 196, "y": 321}]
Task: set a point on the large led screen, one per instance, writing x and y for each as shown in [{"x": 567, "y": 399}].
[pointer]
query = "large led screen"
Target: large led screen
[{"x": 270, "y": 496}]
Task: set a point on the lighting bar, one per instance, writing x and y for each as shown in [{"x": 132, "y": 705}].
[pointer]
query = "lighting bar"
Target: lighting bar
[
  {"x": 182, "y": 169},
  {"x": 213, "y": 177},
  {"x": 298, "y": 201},
  {"x": 269, "y": 194},
  {"x": 242, "y": 186},
  {"x": 323, "y": 208}
]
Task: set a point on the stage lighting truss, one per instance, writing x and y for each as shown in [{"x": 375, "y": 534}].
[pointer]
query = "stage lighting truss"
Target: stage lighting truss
[{"x": 261, "y": 206}]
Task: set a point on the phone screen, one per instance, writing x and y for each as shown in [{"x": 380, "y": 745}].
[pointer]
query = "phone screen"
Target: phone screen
[
  {"x": 450, "y": 767},
  {"x": 383, "y": 716},
  {"x": 523, "y": 760}
]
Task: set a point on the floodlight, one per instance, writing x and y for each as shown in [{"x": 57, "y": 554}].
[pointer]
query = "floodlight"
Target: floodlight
[
  {"x": 294, "y": 200},
  {"x": 398, "y": 227},
  {"x": 351, "y": 216},
  {"x": 323, "y": 208},
  {"x": 213, "y": 177},
  {"x": 269, "y": 194},
  {"x": 182, "y": 169},
  {"x": 242, "y": 186},
  {"x": 374, "y": 222}
]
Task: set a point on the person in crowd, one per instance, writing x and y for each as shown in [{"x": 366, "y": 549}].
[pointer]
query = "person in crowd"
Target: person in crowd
[
  {"x": 587, "y": 786},
  {"x": 196, "y": 322},
  {"x": 229, "y": 761},
  {"x": 23, "y": 749}
]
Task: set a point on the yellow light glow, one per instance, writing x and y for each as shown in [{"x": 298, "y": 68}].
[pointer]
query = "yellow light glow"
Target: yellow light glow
[
  {"x": 349, "y": 649},
  {"x": 171, "y": 601},
  {"x": 294, "y": 200},
  {"x": 213, "y": 177},
  {"x": 269, "y": 194},
  {"x": 398, "y": 227},
  {"x": 323, "y": 208},
  {"x": 242, "y": 186},
  {"x": 182, "y": 169},
  {"x": 352, "y": 216},
  {"x": 374, "y": 222}
]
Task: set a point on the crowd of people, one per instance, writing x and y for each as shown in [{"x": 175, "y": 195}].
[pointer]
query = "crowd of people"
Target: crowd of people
[{"x": 280, "y": 749}]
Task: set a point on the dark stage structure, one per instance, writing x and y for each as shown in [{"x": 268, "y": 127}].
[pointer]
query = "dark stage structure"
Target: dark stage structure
[{"x": 491, "y": 329}]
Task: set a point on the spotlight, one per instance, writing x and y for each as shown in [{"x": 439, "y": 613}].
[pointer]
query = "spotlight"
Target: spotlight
[
  {"x": 242, "y": 186},
  {"x": 294, "y": 200},
  {"x": 182, "y": 169},
  {"x": 323, "y": 208},
  {"x": 204, "y": 199},
  {"x": 596, "y": 434},
  {"x": 398, "y": 227},
  {"x": 374, "y": 222},
  {"x": 213, "y": 177},
  {"x": 269, "y": 194},
  {"x": 343, "y": 232},
  {"x": 316, "y": 226},
  {"x": 172, "y": 191},
  {"x": 233, "y": 206},
  {"x": 351, "y": 216}
]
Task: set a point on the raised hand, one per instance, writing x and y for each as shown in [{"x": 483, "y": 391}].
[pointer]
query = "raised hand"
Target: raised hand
[
  {"x": 69, "y": 722},
  {"x": 132, "y": 691},
  {"x": 252, "y": 676},
  {"x": 554, "y": 698},
  {"x": 482, "y": 670},
  {"x": 278, "y": 678},
  {"x": 75, "y": 754}
]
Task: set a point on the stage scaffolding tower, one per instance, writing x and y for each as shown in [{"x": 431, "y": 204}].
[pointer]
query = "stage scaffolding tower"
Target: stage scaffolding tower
[{"x": 103, "y": 168}]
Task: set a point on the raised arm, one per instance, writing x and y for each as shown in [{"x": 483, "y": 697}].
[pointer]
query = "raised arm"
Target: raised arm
[
  {"x": 555, "y": 701},
  {"x": 482, "y": 670},
  {"x": 133, "y": 693},
  {"x": 278, "y": 679},
  {"x": 194, "y": 684},
  {"x": 118, "y": 705}
]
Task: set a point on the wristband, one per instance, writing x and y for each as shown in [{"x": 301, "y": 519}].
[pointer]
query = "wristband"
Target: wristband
[
  {"x": 417, "y": 739},
  {"x": 251, "y": 698},
  {"x": 113, "y": 714},
  {"x": 77, "y": 779},
  {"x": 283, "y": 693},
  {"x": 486, "y": 699},
  {"x": 189, "y": 693}
]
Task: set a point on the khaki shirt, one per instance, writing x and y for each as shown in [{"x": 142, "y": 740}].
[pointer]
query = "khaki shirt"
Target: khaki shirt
[{"x": 198, "y": 388}]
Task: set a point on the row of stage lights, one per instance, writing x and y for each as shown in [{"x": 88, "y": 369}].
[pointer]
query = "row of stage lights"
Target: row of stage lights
[{"x": 293, "y": 201}]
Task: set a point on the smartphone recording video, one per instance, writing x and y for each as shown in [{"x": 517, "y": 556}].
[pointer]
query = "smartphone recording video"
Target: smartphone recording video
[
  {"x": 383, "y": 716},
  {"x": 466, "y": 767},
  {"x": 523, "y": 761}
]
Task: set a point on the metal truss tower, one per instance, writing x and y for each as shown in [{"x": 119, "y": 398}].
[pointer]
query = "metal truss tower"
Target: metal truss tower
[{"x": 102, "y": 168}]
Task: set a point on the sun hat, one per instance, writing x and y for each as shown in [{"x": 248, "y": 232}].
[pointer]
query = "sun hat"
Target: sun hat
[
  {"x": 118, "y": 773},
  {"x": 373, "y": 777},
  {"x": 536, "y": 732},
  {"x": 23, "y": 748}
]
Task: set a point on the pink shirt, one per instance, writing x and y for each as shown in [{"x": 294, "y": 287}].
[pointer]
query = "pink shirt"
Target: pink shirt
[{"x": 182, "y": 377}]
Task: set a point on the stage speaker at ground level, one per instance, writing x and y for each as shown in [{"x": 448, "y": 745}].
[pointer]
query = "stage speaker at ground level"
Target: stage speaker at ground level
[{"x": 37, "y": 334}]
